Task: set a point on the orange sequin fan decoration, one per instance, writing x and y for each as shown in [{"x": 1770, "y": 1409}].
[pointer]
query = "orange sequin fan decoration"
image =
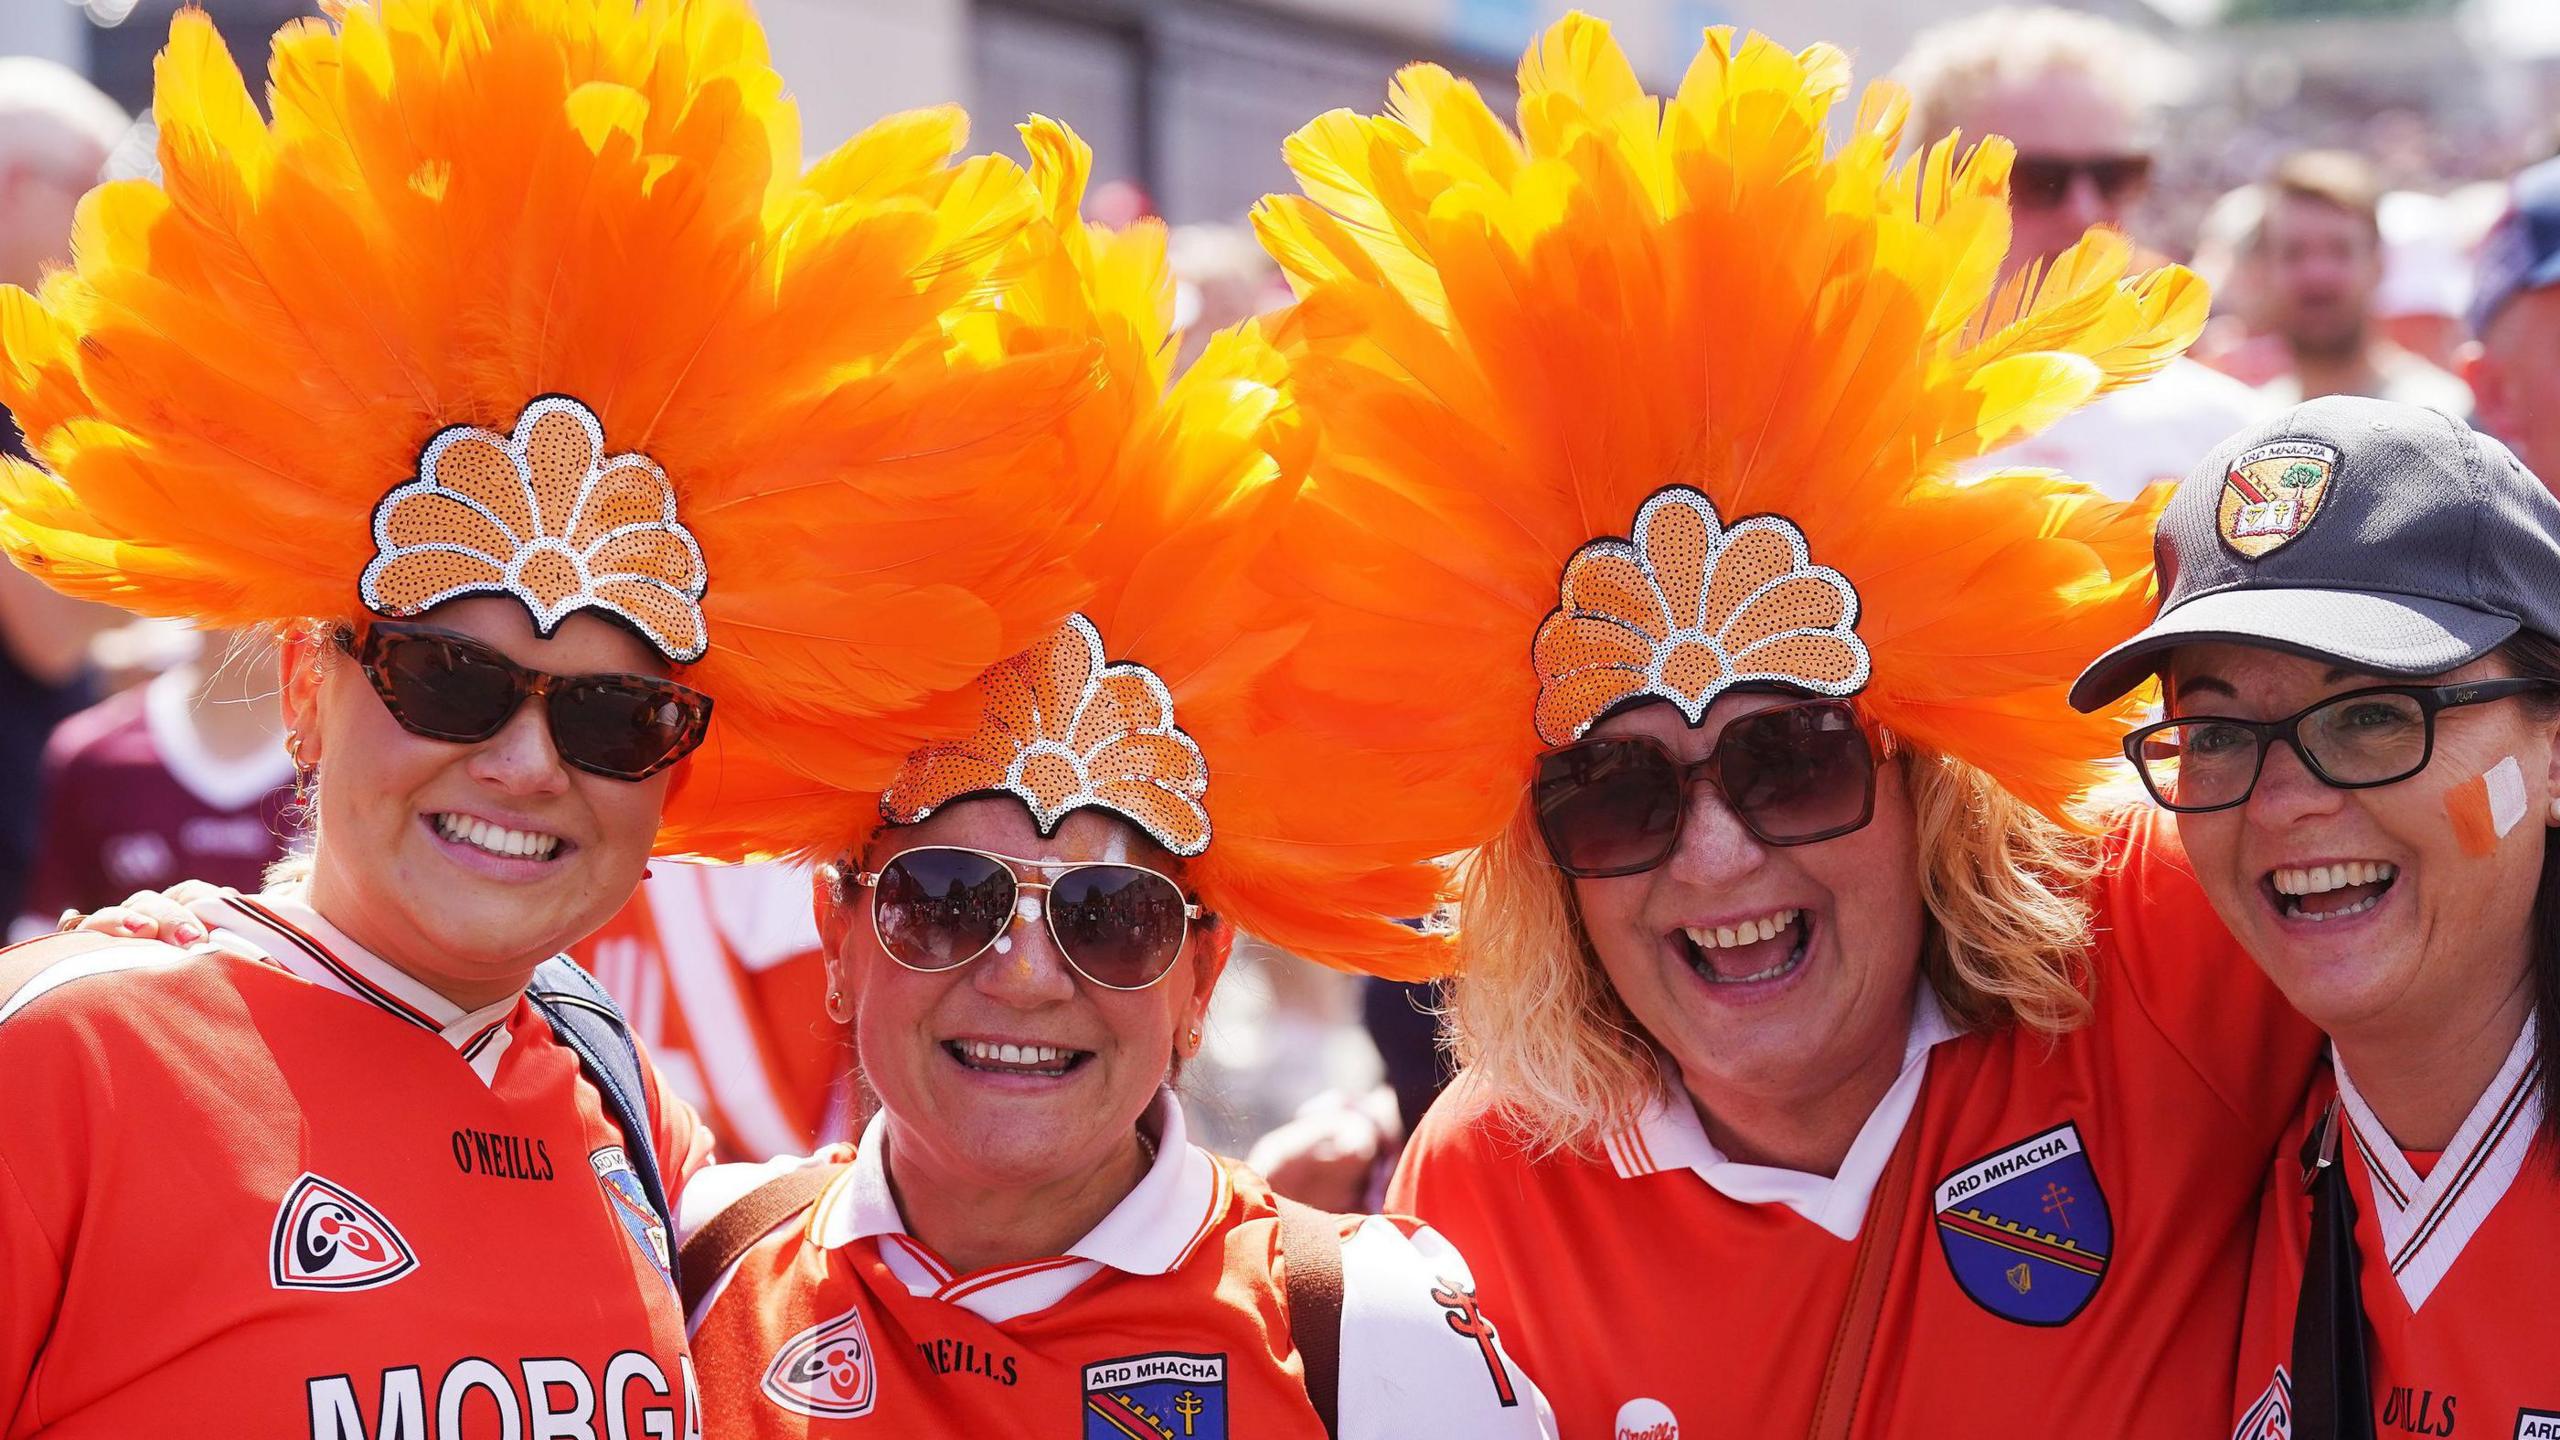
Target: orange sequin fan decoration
[
  {"x": 533, "y": 297},
  {"x": 1696, "y": 322},
  {"x": 1164, "y": 701}
]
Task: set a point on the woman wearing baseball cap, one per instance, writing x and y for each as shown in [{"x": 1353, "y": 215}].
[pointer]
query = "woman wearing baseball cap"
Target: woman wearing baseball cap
[
  {"x": 1825, "y": 1075},
  {"x": 2359, "y": 650}
]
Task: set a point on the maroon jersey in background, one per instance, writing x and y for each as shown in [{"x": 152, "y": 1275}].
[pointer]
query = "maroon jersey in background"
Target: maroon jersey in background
[{"x": 132, "y": 801}]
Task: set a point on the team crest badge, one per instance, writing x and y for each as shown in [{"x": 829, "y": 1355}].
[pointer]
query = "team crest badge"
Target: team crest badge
[
  {"x": 327, "y": 1239},
  {"x": 2026, "y": 1230},
  {"x": 1164, "y": 1396},
  {"x": 2273, "y": 493},
  {"x": 631, "y": 1205},
  {"x": 825, "y": 1371}
]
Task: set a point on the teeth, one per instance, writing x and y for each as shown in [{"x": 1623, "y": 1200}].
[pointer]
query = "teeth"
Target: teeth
[
  {"x": 985, "y": 1052},
  {"x": 2322, "y": 917},
  {"x": 497, "y": 839},
  {"x": 2319, "y": 879},
  {"x": 1749, "y": 932}
]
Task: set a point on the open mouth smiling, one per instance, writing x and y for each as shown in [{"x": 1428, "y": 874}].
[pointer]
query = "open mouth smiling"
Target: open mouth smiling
[
  {"x": 2338, "y": 890},
  {"x": 1751, "y": 951}
]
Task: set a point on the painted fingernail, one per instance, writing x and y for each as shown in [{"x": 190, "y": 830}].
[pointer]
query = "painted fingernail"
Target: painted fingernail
[{"x": 190, "y": 934}]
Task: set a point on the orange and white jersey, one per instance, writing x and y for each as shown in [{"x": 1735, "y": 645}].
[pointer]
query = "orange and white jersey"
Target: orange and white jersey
[
  {"x": 2459, "y": 1267},
  {"x": 718, "y": 969},
  {"x": 2070, "y": 1259},
  {"x": 1167, "y": 1322},
  {"x": 273, "y": 1186}
]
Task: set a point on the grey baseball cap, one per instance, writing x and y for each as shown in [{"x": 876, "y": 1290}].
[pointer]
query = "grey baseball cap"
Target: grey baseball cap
[{"x": 2390, "y": 538}]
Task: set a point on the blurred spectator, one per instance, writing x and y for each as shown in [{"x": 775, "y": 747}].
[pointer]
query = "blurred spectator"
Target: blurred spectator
[
  {"x": 719, "y": 969},
  {"x": 2082, "y": 99},
  {"x": 2514, "y": 368},
  {"x": 1221, "y": 276},
  {"x": 182, "y": 778},
  {"x": 56, "y": 130},
  {"x": 2321, "y": 244}
]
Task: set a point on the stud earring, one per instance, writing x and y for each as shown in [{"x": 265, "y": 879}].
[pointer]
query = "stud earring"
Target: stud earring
[
  {"x": 1195, "y": 1030},
  {"x": 2555, "y": 809}
]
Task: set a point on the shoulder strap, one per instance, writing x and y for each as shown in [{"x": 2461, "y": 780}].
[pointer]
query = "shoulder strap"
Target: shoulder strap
[
  {"x": 1311, "y": 1258},
  {"x": 2332, "y": 1390},
  {"x": 728, "y": 1236},
  {"x": 591, "y": 1025},
  {"x": 1836, "y": 1408}
]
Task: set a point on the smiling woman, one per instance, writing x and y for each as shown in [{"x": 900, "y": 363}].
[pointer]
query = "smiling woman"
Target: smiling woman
[
  {"x": 1825, "y": 1075},
  {"x": 2362, "y": 746},
  {"x": 1024, "y": 925},
  {"x": 485, "y": 374}
]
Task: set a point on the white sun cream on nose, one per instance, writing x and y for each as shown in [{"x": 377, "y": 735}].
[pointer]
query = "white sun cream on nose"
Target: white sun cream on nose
[
  {"x": 1028, "y": 907},
  {"x": 1004, "y": 944}
]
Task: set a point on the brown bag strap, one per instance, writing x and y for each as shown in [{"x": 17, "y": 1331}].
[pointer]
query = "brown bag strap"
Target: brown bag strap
[
  {"x": 1311, "y": 1259},
  {"x": 711, "y": 1250},
  {"x": 1837, "y": 1406}
]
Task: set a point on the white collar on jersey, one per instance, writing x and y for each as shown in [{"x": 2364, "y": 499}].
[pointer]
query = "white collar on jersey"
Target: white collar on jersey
[
  {"x": 1669, "y": 1136},
  {"x": 281, "y": 926},
  {"x": 168, "y": 715},
  {"x": 2427, "y": 1222},
  {"x": 1152, "y": 1231}
]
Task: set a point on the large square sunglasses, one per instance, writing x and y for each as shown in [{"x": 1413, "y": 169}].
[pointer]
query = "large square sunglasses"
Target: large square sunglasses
[
  {"x": 1792, "y": 774},
  {"x": 443, "y": 686},
  {"x": 2379, "y": 735},
  {"x": 938, "y": 907}
]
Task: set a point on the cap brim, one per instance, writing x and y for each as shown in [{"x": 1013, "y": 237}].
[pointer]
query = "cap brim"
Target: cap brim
[{"x": 2382, "y": 634}]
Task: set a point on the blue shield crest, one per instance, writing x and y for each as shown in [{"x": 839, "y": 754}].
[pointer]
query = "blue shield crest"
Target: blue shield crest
[
  {"x": 2025, "y": 1229},
  {"x": 631, "y": 1204},
  {"x": 1165, "y": 1396}
]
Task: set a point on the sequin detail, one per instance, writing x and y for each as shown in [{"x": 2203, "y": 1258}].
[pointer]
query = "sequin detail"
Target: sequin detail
[
  {"x": 1060, "y": 730},
  {"x": 543, "y": 515},
  {"x": 1689, "y": 609}
]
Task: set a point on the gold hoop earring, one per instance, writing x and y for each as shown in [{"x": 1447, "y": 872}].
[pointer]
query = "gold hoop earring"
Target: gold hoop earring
[{"x": 304, "y": 772}]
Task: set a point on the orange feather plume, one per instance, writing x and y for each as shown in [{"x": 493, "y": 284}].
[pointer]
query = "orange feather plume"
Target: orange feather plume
[
  {"x": 462, "y": 205},
  {"x": 1173, "y": 490},
  {"x": 1510, "y": 338}
]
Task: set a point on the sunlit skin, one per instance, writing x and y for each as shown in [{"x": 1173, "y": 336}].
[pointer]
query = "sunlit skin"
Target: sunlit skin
[
  {"x": 991, "y": 1168},
  {"x": 2515, "y": 378},
  {"x": 1785, "y": 1071},
  {"x": 2425, "y": 993},
  {"x": 2323, "y": 264},
  {"x": 468, "y": 924},
  {"x": 2063, "y": 114}
]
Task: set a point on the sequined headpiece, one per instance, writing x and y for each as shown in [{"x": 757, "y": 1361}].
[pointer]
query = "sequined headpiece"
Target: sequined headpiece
[{"x": 536, "y": 300}]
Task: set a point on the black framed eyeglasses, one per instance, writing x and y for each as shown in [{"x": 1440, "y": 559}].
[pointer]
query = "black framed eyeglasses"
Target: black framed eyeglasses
[
  {"x": 1792, "y": 774},
  {"x": 2380, "y": 735},
  {"x": 448, "y": 687}
]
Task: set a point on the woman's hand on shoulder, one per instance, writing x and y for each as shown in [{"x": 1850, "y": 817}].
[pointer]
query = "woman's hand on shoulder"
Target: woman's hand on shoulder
[{"x": 160, "y": 915}]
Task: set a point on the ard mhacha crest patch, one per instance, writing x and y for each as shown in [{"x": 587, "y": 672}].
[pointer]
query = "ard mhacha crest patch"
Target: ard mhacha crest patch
[
  {"x": 2026, "y": 1230},
  {"x": 2273, "y": 493}
]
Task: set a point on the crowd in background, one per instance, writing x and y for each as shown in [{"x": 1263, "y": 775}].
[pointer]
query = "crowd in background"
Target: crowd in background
[{"x": 2351, "y": 253}]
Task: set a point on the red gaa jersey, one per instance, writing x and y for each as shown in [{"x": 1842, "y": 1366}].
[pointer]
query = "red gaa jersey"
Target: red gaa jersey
[
  {"x": 2070, "y": 1260},
  {"x": 1167, "y": 1322},
  {"x": 2460, "y": 1267},
  {"x": 719, "y": 971},
  {"x": 272, "y": 1186},
  {"x": 133, "y": 802}
]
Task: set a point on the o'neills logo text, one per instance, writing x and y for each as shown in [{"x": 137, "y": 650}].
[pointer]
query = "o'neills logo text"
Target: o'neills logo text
[{"x": 629, "y": 1399}]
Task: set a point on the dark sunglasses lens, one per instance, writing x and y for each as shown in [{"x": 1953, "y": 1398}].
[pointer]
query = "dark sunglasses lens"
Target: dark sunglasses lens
[
  {"x": 622, "y": 728},
  {"x": 1607, "y": 807},
  {"x": 446, "y": 691},
  {"x": 2039, "y": 184},
  {"x": 1798, "y": 773},
  {"x": 2120, "y": 177},
  {"x": 1121, "y": 925},
  {"x": 939, "y": 908}
]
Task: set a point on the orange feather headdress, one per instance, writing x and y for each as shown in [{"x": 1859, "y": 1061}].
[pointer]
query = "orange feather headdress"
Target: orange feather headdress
[
  {"x": 1664, "y": 395},
  {"x": 1163, "y": 699},
  {"x": 532, "y": 297}
]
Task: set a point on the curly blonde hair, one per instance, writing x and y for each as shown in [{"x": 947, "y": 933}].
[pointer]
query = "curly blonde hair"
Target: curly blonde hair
[{"x": 1544, "y": 1039}]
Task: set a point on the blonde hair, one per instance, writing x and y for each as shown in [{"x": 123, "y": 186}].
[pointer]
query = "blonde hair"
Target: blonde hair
[
  {"x": 1951, "y": 67},
  {"x": 1545, "y": 1040}
]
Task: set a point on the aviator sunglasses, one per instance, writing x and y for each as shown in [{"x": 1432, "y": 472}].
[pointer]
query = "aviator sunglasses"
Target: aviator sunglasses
[
  {"x": 1792, "y": 774},
  {"x": 2041, "y": 182},
  {"x": 938, "y": 907},
  {"x": 444, "y": 687}
]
